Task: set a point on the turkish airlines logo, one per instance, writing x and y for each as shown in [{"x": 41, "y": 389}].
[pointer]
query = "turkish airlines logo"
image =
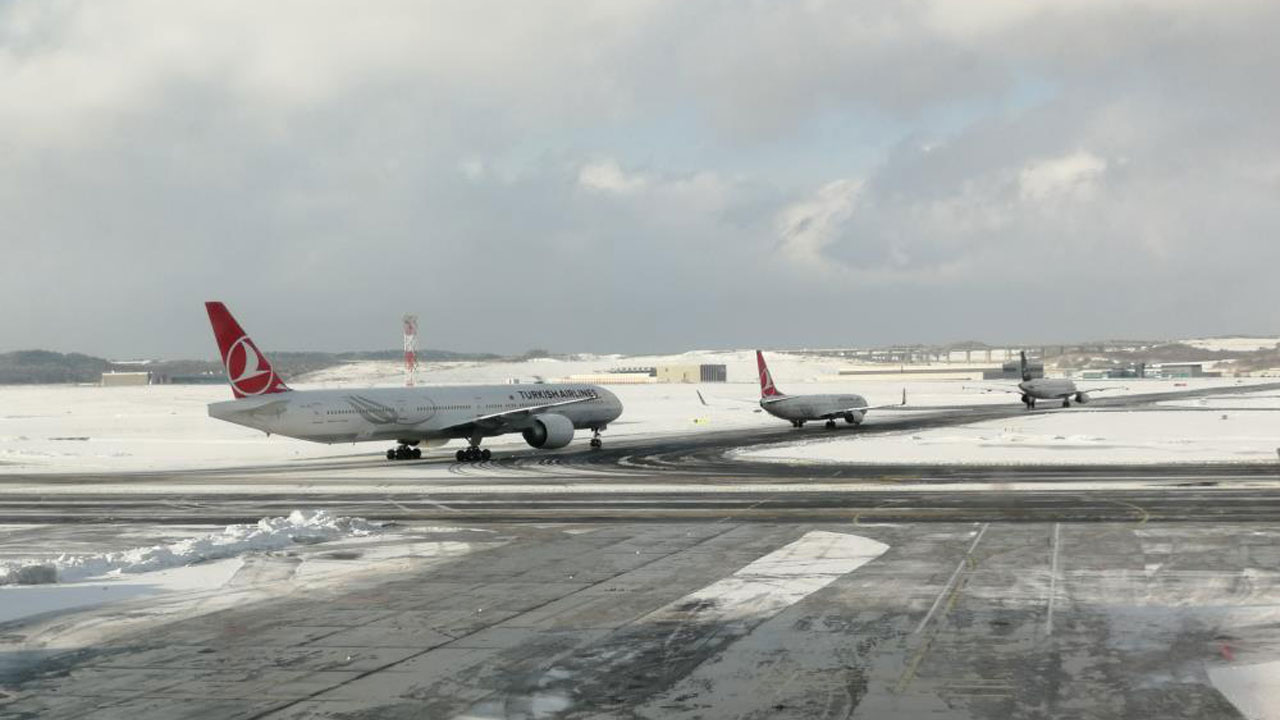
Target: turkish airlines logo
[
  {"x": 766, "y": 382},
  {"x": 247, "y": 369}
]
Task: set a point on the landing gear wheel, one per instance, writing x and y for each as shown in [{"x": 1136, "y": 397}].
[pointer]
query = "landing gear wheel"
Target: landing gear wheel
[
  {"x": 416, "y": 453},
  {"x": 1066, "y": 402},
  {"x": 596, "y": 443},
  {"x": 485, "y": 454},
  {"x": 831, "y": 424},
  {"x": 391, "y": 454},
  {"x": 460, "y": 456}
]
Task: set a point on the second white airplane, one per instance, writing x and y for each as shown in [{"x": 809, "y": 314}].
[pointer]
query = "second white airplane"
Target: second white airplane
[{"x": 799, "y": 409}]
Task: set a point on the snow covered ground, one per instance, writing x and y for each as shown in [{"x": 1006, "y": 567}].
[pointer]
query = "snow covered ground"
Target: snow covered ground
[
  {"x": 207, "y": 570},
  {"x": 1235, "y": 344},
  {"x": 1215, "y": 429},
  {"x": 63, "y": 428}
]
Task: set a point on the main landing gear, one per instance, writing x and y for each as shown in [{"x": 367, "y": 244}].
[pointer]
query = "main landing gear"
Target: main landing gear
[
  {"x": 797, "y": 423},
  {"x": 473, "y": 454},
  {"x": 831, "y": 424},
  {"x": 404, "y": 452},
  {"x": 1066, "y": 402}
]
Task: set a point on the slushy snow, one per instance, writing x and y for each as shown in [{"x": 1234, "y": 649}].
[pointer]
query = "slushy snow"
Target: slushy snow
[{"x": 268, "y": 534}]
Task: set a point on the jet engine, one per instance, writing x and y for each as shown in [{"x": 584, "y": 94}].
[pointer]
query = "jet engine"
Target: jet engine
[
  {"x": 1082, "y": 398},
  {"x": 549, "y": 431}
]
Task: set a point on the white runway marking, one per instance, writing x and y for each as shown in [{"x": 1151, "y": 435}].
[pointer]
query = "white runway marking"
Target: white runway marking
[
  {"x": 1053, "y": 580},
  {"x": 1251, "y": 688},
  {"x": 777, "y": 580},
  {"x": 947, "y": 588}
]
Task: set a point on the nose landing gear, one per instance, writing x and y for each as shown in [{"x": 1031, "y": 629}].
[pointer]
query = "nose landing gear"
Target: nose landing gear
[
  {"x": 596, "y": 442},
  {"x": 1029, "y": 401}
]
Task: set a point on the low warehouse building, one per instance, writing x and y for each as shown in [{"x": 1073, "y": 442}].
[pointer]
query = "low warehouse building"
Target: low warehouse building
[
  {"x": 691, "y": 373},
  {"x": 123, "y": 379}
]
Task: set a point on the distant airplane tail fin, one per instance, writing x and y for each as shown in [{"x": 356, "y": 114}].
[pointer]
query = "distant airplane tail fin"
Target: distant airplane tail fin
[
  {"x": 248, "y": 370},
  {"x": 1026, "y": 370},
  {"x": 767, "y": 388}
]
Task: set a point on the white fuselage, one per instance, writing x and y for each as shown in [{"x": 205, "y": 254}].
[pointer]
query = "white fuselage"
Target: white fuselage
[
  {"x": 1048, "y": 388},
  {"x": 414, "y": 414},
  {"x": 815, "y": 407}
]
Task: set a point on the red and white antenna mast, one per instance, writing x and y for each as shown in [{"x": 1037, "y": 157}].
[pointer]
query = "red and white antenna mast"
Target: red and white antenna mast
[{"x": 410, "y": 348}]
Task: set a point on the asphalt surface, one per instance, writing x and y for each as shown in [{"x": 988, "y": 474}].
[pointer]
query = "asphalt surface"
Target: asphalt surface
[
  {"x": 661, "y": 578},
  {"x": 676, "y": 478}
]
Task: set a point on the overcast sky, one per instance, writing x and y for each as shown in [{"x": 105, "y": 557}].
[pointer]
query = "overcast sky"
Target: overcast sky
[{"x": 635, "y": 176}]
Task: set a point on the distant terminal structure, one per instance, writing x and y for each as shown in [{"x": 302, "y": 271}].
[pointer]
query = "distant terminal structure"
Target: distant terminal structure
[
  {"x": 126, "y": 378},
  {"x": 917, "y": 372},
  {"x": 974, "y": 352},
  {"x": 1179, "y": 370},
  {"x": 1013, "y": 370},
  {"x": 208, "y": 378},
  {"x": 693, "y": 373},
  {"x": 1118, "y": 372}
]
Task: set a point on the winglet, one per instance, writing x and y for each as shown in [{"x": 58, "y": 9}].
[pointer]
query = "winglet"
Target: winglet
[
  {"x": 1026, "y": 371},
  {"x": 248, "y": 370},
  {"x": 767, "y": 388}
]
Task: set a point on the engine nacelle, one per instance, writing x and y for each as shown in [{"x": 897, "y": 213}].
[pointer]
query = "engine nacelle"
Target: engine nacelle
[
  {"x": 1082, "y": 398},
  {"x": 549, "y": 431}
]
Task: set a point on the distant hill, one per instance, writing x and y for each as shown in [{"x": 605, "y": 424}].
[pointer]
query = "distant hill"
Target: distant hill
[
  {"x": 26, "y": 367},
  {"x": 44, "y": 367}
]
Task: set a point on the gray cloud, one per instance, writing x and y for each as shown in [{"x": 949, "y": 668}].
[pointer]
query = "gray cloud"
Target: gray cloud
[{"x": 621, "y": 177}]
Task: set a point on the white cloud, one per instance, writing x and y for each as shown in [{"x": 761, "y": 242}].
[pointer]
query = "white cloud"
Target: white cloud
[
  {"x": 607, "y": 176},
  {"x": 807, "y": 227},
  {"x": 1075, "y": 176},
  {"x": 668, "y": 152}
]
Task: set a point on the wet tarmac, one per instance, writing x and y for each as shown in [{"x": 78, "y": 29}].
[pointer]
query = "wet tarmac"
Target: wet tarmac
[{"x": 662, "y": 579}]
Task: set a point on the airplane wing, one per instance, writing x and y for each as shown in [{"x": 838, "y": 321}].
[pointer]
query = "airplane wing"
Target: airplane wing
[
  {"x": 1012, "y": 391},
  {"x": 702, "y": 399},
  {"x": 864, "y": 408},
  {"x": 500, "y": 418}
]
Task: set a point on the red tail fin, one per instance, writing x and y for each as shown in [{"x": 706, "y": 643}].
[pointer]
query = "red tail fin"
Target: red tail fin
[
  {"x": 247, "y": 368},
  {"x": 767, "y": 388}
]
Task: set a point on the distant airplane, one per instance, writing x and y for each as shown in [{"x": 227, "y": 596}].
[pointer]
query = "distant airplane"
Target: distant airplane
[
  {"x": 799, "y": 409},
  {"x": 546, "y": 415},
  {"x": 1050, "y": 388}
]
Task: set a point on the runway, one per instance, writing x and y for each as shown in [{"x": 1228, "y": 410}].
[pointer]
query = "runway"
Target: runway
[
  {"x": 662, "y": 578},
  {"x": 674, "y": 478}
]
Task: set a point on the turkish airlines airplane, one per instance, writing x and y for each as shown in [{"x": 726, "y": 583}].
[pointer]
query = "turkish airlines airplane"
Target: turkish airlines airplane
[
  {"x": 799, "y": 409},
  {"x": 546, "y": 415},
  {"x": 1050, "y": 388}
]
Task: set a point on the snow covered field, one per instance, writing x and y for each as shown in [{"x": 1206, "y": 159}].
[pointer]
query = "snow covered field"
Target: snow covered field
[
  {"x": 66, "y": 428},
  {"x": 205, "y": 569},
  {"x": 1215, "y": 429},
  {"x": 1235, "y": 344}
]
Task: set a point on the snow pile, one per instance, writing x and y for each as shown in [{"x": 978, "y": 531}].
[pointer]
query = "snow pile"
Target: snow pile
[{"x": 302, "y": 526}]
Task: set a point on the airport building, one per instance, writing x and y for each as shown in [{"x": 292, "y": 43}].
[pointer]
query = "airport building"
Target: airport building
[
  {"x": 1180, "y": 370},
  {"x": 125, "y": 379},
  {"x": 702, "y": 373},
  {"x": 1013, "y": 370},
  {"x": 691, "y": 373}
]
